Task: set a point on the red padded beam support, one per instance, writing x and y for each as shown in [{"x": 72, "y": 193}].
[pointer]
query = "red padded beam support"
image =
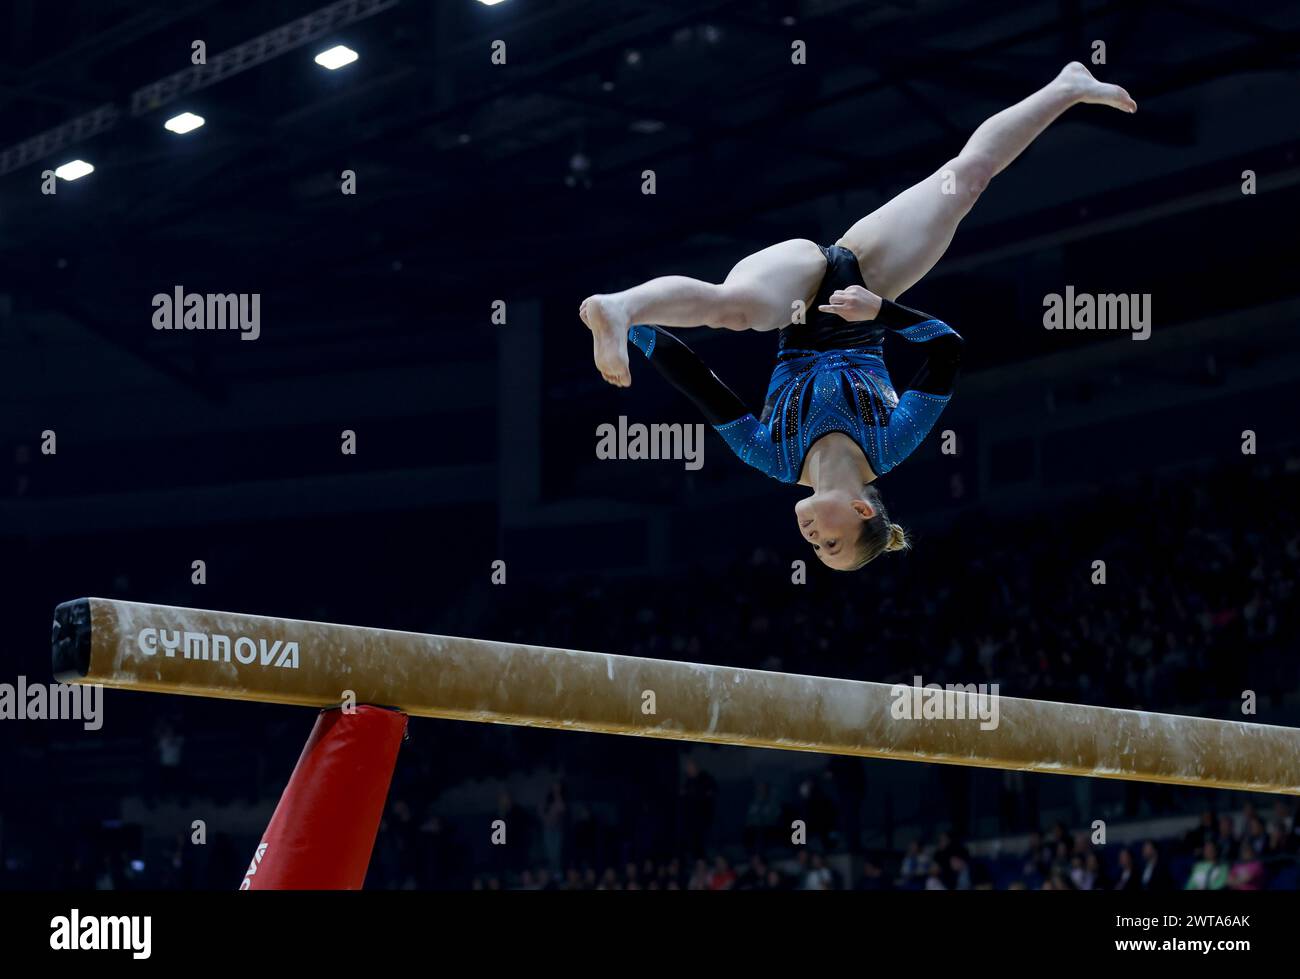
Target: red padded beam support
[{"x": 324, "y": 827}]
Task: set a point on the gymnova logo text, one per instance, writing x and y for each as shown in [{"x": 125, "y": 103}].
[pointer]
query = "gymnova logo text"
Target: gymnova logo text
[
  {"x": 953, "y": 702},
  {"x": 216, "y": 648},
  {"x": 103, "y": 932}
]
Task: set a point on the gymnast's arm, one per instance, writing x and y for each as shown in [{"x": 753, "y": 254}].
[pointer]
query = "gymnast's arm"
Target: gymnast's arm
[
  {"x": 941, "y": 343},
  {"x": 683, "y": 369},
  {"x": 925, "y": 398}
]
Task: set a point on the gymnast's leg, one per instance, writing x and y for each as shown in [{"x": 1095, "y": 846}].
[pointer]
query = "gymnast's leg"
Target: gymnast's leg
[
  {"x": 902, "y": 240},
  {"x": 758, "y": 294}
]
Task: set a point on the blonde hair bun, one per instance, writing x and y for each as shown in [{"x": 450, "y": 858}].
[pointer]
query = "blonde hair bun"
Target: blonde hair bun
[{"x": 897, "y": 539}]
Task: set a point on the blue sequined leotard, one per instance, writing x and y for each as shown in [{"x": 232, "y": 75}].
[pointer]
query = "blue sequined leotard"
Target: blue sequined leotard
[{"x": 817, "y": 388}]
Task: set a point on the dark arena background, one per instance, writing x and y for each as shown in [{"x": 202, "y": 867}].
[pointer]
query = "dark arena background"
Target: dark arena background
[{"x": 406, "y": 431}]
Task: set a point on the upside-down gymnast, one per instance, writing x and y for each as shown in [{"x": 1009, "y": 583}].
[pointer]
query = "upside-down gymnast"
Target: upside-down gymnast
[{"x": 831, "y": 419}]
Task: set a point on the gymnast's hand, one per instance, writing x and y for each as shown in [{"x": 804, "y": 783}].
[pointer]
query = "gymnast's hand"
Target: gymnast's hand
[{"x": 854, "y": 304}]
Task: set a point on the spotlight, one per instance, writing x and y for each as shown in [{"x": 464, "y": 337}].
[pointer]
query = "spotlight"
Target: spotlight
[
  {"x": 183, "y": 123},
  {"x": 74, "y": 170},
  {"x": 336, "y": 57}
]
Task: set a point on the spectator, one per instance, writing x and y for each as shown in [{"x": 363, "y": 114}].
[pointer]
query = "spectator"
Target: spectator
[
  {"x": 1283, "y": 814},
  {"x": 671, "y": 874},
  {"x": 959, "y": 873},
  {"x": 1226, "y": 836},
  {"x": 1155, "y": 877},
  {"x": 1204, "y": 832},
  {"x": 1059, "y": 880},
  {"x": 1038, "y": 858},
  {"x": 820, "y": 877},
  {"x": 873, "y": 877},
  {"x": 169, "y": 750},
  {"x": 1248, "y": 872},
  {"x": 1128, "y": 879},
  {"x": 1209, "y": 873},
  {"x": 762, "y": 819},
  {"x": 934, "y": 878},
  {"x": 1093, "y": 866},
  {"x": 553, "y": 814},
  {"x": 1278, "y": 840},
  {"x": 1061, "y": 860},
  {"x": 581, "y": 848},
  {"x": 817, "y": 810},
  {"x": 698, "y": 796},
  {"x": 699, "y": 877},
  {"x": 753, "y": 876},
  {"x": 1080, "y": 876},
  {"x": 943, "y": 854},
  {"x": 1256, "y": 835},
  {"x": 916, "y": 865},
  {"x": 722, "y": 877}
]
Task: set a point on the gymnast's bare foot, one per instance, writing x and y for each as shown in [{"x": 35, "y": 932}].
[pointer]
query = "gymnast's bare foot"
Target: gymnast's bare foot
[
  {"x": 609, "y": 323},
  {"x": 1087, "y": 89}
]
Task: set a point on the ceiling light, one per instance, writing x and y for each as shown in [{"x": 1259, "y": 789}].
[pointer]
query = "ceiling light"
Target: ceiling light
[
  {"x": 336, "y": 57},
  {"x": 183, "y": 123},
  {"x": 74, "y": 170}
]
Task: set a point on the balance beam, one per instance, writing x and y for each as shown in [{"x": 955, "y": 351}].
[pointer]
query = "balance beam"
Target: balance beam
[{"x": 284, "y": 661}]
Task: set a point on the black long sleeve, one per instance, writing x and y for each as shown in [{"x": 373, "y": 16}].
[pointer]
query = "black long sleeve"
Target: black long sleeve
[
  {"x": 942, "y": 346},
  {"x": 684, "y": 370}
]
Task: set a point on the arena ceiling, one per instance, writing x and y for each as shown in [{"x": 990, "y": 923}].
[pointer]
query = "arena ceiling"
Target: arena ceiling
[{"x": 480, "y": 181}]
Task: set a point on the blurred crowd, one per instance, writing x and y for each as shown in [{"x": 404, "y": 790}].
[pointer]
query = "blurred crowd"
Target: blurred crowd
[
  {"x": 1245, "y": 850},
  {"x": 1196, "y": 607}
]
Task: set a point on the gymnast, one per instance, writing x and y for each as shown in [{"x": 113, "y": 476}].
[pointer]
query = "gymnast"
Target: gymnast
[{"x": 831, "y": 419}]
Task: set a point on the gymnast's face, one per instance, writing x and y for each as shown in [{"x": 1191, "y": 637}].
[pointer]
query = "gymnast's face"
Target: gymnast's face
[{"x": 831, "y": 521}]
